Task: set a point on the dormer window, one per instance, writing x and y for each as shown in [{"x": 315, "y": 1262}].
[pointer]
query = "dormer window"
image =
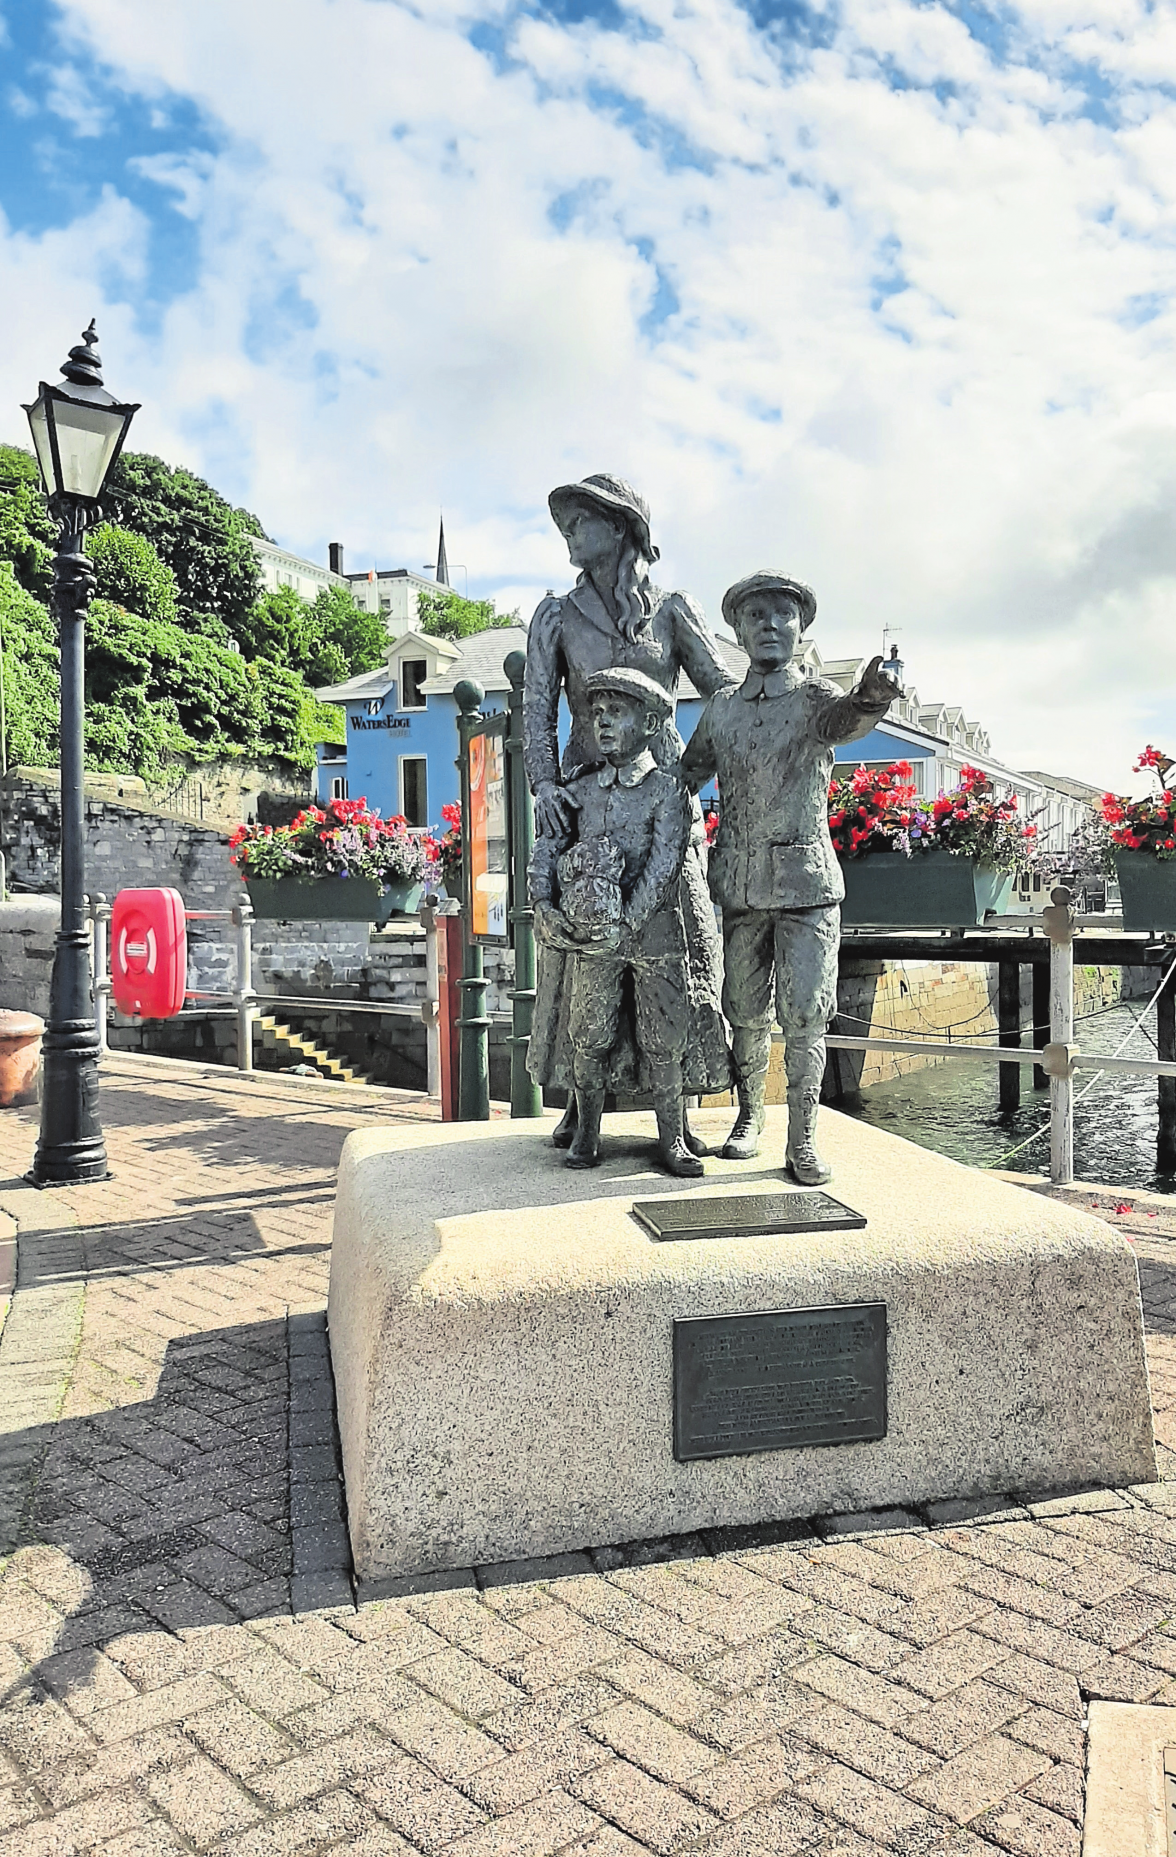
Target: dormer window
[{"x": 413, "y": 672}]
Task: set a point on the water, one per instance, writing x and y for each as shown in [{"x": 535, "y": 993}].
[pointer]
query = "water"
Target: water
[{"x": 952, "y": 1109}]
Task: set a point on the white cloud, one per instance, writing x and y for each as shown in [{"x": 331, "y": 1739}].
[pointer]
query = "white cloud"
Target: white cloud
[{"x": 895, "y": 313}]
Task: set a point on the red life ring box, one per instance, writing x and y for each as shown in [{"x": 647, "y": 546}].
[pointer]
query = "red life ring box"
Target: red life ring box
[{"x": 148, "y": 953}]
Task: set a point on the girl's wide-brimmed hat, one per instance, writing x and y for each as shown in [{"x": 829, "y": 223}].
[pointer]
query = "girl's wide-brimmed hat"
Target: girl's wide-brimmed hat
[
  {"x": 768, "y": 582},
  {"x": 612, "y": 494}
]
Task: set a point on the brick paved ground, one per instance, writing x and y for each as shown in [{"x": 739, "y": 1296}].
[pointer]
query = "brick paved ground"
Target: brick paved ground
[{"x": 168, "y": 1477}]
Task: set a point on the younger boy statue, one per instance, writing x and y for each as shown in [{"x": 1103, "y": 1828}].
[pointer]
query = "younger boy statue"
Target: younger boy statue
[
  {"x": 773, "y": 869},
  {"x": 607, "y": 901}
]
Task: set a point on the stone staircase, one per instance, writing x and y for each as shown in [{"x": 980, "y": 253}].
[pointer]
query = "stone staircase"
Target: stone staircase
[{"x": 275, "y": 1035}]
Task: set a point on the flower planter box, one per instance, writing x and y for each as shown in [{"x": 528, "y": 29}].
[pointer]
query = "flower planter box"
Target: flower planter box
[
  {"x": 932, "y": 889},
  {"x": 331, "y": 899},
  {"x": 1147, "y": 885}
]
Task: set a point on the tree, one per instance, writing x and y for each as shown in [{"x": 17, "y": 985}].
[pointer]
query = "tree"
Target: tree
[
  {"x": 326, "y": 642},
  {"x": 29, "y": 667},
  {"x": 157, "y": 692},
  {"x": 358, "y": 633},
  {"x": 167, "y": 680},
  {"x": 27, "y": 535},
  {"x": 131, "y": 573},
  {"x": 447, "y": 615},
  {"x": 200, "y": 536}
]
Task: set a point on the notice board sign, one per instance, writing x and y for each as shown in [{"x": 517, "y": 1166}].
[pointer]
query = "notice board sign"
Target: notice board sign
[{"x": 489, "y": 851}]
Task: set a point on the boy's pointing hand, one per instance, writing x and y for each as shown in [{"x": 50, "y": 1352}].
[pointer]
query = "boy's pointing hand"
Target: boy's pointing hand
[{"x": 876, "y": 686}]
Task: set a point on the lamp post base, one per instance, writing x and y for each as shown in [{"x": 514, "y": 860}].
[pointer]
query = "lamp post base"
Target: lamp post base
[{"x": 71, "y": 1150}]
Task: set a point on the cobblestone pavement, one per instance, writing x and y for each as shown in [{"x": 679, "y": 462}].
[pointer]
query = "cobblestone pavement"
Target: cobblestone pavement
[{"x": 169, "y": 1481}]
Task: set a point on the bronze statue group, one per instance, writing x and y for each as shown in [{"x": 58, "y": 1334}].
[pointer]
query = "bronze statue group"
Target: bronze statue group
[{"x": 634, "y": 983}]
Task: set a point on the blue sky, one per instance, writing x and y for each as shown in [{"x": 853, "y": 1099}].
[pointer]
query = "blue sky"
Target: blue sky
[{"x": 877, "y": 292}]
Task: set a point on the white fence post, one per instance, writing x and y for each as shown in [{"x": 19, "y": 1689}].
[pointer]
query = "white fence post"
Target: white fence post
[
  {"x": 244, "y": 996},
  {"x": 100, "y": 944},
  {"x": 1058, "y": 1057}
]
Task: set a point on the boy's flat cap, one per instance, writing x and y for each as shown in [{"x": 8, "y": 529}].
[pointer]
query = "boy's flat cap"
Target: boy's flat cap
[
  {"x": 634, "y": 684},
  {"x": 768, "y": 582}
]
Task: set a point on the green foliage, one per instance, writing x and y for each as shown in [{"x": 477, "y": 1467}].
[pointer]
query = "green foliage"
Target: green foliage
[
  {"x": 325, "y": 643},
  {"x": 156, "y": 692},
  {"x": 27, "y": 536},
  {"x": 201, "y": 537},
  {"x": 131, "y": 573},
  {"x": 357, "y": 633},
  {"x": 183, "y": 660},
  {"x": 29, "y": 666},
  {"x": 447, "y": 615}
]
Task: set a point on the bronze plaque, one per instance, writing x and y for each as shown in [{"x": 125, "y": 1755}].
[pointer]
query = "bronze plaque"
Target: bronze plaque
[
  {"x": 779, "y": 1381},
  {"x": 745, "y": 1215}
]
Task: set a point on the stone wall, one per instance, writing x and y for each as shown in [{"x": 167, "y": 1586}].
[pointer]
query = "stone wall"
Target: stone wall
[
  {"x": 28, "y": 926},
  {"x": 219, "y": 795},
  {"x": 129, "y": 844}
]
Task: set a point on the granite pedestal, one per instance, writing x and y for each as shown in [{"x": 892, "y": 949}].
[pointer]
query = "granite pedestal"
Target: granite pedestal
[{"x": 502, "y": 1336}]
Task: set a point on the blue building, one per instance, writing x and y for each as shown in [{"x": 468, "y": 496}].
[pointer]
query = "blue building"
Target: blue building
[{"x": 401, "y": 720}]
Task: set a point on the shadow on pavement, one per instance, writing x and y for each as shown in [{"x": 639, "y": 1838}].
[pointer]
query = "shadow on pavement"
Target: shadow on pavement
[{"x": 173, "y": 1513}]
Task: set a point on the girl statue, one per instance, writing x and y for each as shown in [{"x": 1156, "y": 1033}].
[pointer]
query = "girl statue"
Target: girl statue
[{"x": 615, "y": 617}]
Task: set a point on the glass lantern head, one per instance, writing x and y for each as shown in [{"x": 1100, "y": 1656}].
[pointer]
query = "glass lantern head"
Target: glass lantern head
[{"x": 78, "y": 428}]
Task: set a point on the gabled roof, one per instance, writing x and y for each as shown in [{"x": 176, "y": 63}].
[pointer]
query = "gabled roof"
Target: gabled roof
[
  {"x": 379, "y": 682},
  {"x": 733, "y": 657},
  {"x": 444, "y": 647},
  {"x": 479, "y": 658},
  {"x": 356, "y": 689},
  {"x": 1059, "y": 783}
]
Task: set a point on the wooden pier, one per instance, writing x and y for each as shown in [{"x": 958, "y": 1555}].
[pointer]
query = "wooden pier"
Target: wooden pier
[{"x": 1009, "y": 947}]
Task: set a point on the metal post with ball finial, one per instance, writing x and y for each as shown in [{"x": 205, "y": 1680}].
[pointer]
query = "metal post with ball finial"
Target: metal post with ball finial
[
  {"x": 526, "y": 1098},
  {"x": 473, "y": 1090}
]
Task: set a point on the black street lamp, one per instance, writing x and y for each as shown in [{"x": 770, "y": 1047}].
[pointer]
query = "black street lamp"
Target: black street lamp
[{"x": 78, "y": 430}]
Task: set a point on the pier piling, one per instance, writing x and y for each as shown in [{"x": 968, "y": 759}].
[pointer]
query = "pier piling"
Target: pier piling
[
  {"x": 1040, "y": 1019},
  {"x": 1008, "y": 1014}
]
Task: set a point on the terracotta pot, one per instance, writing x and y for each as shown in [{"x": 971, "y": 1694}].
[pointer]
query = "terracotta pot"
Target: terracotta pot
[{"x": 20, "y": 1056}]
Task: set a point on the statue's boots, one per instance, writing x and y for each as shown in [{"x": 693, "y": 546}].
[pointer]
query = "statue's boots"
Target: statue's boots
[
  {"x": 668, "y": 1107},
  {"x": 801, "y": 1158},
  {"x": 564, "y": 1131},
  {"x": 750, "y": 1050},
  {"x": 694, "y": 1142},
  {"x": 584, "y": 1150}
]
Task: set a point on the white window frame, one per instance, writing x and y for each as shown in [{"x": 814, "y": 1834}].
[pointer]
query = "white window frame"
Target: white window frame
[
  {"x": 413, "y": 709},
  {"x": 339, "y": 781},
  {"x": 402, "y": 808}
]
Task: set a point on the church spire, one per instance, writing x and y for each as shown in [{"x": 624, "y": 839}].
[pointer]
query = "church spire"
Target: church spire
[{"x": 442, "y": 558}]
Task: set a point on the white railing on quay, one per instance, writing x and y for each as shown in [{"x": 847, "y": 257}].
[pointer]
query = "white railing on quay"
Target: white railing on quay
[{"x": 1061, "y": 1058}]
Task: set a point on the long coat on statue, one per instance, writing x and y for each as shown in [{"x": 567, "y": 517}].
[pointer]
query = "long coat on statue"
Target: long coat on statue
[{"x": 570, "y": 637}]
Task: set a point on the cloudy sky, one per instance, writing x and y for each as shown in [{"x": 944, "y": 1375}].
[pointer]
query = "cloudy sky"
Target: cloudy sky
[{"x": 876, "y": 292}]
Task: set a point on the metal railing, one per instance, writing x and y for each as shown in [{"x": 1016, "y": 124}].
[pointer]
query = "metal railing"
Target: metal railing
[
  {"x": 241, "y": 999},
  {"x": 1061, "y": 1058},
  {"x": 244, "y": 1000}
]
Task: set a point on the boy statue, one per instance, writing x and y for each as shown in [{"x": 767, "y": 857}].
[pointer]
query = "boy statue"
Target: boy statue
[
  {"x": 608, "y": 902},
  {"x": 772, "y": 866}
]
